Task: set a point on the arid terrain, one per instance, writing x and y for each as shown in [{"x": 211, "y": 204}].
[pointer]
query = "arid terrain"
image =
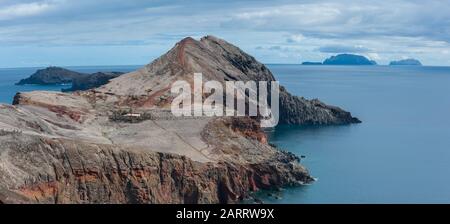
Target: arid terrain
[{"x": 120, "y": 143}]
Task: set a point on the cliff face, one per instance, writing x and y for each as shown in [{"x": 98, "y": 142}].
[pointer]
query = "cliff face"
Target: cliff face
[
  {"x": 43, "y": 170},
  {"x": 298, "y": 110},
  {"x": 49, "y": 155},
  {"x": 82, "y": 147}
]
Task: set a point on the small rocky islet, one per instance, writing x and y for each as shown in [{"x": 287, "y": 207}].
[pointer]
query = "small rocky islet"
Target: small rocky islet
[
  {"x": 60, "y": 76},
  {"x": 75, "y": 148},
  {"x": 344, "y": 59},
  {"x": 51, "y": 76},
  {"x": 409, "y": 62},
  {"x": 353, "y": 59}
]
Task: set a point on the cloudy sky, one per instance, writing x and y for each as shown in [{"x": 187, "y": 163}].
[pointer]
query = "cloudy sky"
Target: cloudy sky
[{"x": 133, "y": 32}]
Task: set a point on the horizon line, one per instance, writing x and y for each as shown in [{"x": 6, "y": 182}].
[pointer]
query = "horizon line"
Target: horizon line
[{"x": 118, "y": 65}]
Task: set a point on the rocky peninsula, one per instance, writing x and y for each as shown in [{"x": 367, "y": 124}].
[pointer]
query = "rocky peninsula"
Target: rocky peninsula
[
  {"x": 59, "y": 76},
  {"x": 91, "y": 81},
  {"x": 82, "y": 148}
]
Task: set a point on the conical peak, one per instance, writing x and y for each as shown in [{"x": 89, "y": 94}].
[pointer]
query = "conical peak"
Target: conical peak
[
  {"x": 186, "y": 40},
  {"x": 204, "y": 42},
  {"x": 202, "y": 39},
  {"x": 185, "y": 46},
  {"x": 215, "y": 58}
]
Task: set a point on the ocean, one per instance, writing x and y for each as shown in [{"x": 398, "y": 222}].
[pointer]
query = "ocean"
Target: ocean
[{"x": 399, "y": 154}]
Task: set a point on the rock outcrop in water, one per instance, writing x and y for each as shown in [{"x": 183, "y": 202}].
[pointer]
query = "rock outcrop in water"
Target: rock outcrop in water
[
  {"x": 410, "y": 61},
  {"x": 59, "y": 76},
  {"x": 298, "y": 110},
  {"x": 69, "y": 148},
  {"x": 51, "y": 76},
  {"x": 91, "y": 81},
  {"x": 311, "y": 63},
  {"x": 348, "y": 59}
]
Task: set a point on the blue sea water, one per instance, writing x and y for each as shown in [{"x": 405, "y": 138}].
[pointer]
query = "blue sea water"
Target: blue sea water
[{"x": 399, "y": 154}]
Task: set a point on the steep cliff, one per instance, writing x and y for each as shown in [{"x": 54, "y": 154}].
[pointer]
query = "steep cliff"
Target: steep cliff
[{"x": 43, "y": 170}]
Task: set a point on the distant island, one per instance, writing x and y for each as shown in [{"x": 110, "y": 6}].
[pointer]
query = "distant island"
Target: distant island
[
  {"x": 311, "y": 63},
  {"x": 348, "y": 59},
  {"x": 344, "y": 59},
  {"x": 409, "y": 61},
  {"x": 59, "y": 76},
  {"x": 51, "y": 76}
]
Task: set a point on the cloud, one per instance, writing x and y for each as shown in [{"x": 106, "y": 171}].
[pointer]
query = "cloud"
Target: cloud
[
  {"x": 276, "y": 48},
  {"x": 271, "y": 30},
  {"x": 350, "y": 19},
  {"x": 374, "y": 56},
  {"x": 343, "y": 49},
  {"x": 287, "y": 17},
  {"x": 296, "y": 38},
  {"x": 26, "y": 9},
  {"x": 279, "y": 48}
]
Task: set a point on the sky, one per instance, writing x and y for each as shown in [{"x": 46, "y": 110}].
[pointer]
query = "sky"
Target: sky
[{"x": 35, "y": 33}]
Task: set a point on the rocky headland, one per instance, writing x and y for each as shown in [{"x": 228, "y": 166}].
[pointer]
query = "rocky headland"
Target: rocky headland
[
  {"x": 59, "y": 76},
  {"x": 51, "y": 76},
  {"x": 91, "y": 81},
  {"x": 83, "y": 147}
]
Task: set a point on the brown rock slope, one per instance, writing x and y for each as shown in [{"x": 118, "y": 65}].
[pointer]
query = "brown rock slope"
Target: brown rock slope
[
  {"x": 81, "y": 147},
  {"x": 217, "y": 60}
]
